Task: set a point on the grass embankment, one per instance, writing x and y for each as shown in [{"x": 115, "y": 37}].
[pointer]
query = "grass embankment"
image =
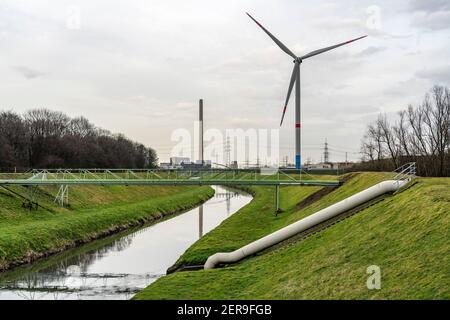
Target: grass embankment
[
  {"x": 406, "y": 235},
  {"x": 250, "y": 223},
  {"x": 257, "y": 219},
  {"x": 94, "y": 212}
]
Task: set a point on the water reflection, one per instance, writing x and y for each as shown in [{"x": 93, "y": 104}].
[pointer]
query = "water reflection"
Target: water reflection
[
  {"x": 200, "y": 221},
  {"x": 119, "y": 266},
  {"x": 227, "y": 196}
]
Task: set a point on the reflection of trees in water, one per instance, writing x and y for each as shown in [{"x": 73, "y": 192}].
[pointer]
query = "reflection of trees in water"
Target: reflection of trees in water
[
  {"x": 58, "y": 272},
  {"x": 84, "y": 260},
  {"x": 35, "y": 286},
  {"x": 54, "y": 280},
  {"x": 200, "y": 221},
  {"x": 31, "y": 281},
  {"x": 227, "y": 196},
  {"x": 34, "y": 280}
]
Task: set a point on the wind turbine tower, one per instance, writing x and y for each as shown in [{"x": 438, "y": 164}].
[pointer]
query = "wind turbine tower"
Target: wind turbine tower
[
  {"x": 295, "y": 79},
  {"x": 200, "y": 122}
]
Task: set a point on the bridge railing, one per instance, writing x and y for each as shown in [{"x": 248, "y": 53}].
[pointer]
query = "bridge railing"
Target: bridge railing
[
  {"x": 63, "y": 178},
  {"x": 163, "y": 174},
  {"x": 406, "y": 171}
]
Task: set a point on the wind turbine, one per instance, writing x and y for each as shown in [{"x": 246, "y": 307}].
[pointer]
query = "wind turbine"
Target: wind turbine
[{"x": 295, "y": 79}]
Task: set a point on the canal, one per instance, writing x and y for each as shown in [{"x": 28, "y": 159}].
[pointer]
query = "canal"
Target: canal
[{"x": 119, "y": 266}]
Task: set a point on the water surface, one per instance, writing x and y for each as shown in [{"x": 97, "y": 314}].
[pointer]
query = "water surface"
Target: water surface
[{"x": 119, "y": 266}]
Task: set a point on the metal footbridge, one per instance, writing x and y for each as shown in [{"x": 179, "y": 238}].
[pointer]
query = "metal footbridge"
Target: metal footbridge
[
  {"x": 63, "y": 178},
  {"x": 107, "y": 177}
]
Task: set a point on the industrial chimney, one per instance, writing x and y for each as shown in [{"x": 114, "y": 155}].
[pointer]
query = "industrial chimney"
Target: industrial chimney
[
  {"x": 200, "y": 121},
  {"x": 326, "y": 153}
]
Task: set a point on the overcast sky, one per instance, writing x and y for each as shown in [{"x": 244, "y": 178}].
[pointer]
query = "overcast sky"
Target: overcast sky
[{"x": 139, "y": 67}]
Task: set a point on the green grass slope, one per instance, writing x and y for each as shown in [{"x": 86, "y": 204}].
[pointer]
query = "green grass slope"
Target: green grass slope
[
  {"x": 406, "y": 235},
  {"x": 249, "y": 223},
  {"x": 257, "y": 219},
  {"x": 94, "y": 212}
]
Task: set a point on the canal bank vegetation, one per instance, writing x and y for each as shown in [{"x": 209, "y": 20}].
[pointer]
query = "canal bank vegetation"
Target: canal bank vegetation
[
  {"x": 251, "y": 222},
  {"x": 94, "y": 212},
  {"x": 406, "y": 235},
  {"x": 257, "y": 219}
]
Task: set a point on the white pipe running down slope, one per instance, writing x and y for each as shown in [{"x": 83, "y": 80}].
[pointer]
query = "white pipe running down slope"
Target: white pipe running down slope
[{"x": 305, "y": 223}]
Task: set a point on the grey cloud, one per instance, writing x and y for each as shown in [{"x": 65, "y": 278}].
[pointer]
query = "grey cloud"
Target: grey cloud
[
  {"x": 429, "y": 5},
  {"x": 438, "y": 20},
  {"x": 385, "y": 35},
  {"x": 27, "y": 72},
  {"x": 140, "y": 67},
  {"x": 431, "y": 14},
  {"x": 370, "y": 51},
  {"x": 340, "y": 23},
  {"x": 436, "y": 74},
  {"x": 356, "y": 24},
  {"x": 341, "y": 109},
  {"x": 404, "y": 87}
]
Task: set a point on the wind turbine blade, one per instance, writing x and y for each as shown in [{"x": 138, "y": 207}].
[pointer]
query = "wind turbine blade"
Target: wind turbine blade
[
  {"x": 316, "y": 52},
  {"x": 291, "y": 85},
  {"x": 278, "y": 42}
]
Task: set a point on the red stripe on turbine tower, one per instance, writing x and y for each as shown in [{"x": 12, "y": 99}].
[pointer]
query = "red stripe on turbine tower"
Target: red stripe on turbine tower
[{"x": 297, "y": 125}]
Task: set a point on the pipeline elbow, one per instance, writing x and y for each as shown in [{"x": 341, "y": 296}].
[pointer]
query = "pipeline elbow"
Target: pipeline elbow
[
  {"x": 213, "y": 261},
  {"x": 223, "y": 257}
]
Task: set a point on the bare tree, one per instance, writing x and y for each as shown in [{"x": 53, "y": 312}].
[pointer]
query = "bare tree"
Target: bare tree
[
  {"x": 401, "y": 130},
  {"x": 421, "y": 134},
  {"x": 388, "y": 138},
  {"x": 44, "y": 138}
]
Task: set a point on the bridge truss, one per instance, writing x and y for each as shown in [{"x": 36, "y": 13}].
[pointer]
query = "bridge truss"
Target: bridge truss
[{"x": 63, "y": 178}]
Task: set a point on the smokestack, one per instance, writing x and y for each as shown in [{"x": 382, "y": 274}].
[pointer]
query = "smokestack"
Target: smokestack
[
  {"x": 326, "y": 153},
  {"x": 200, "y": 121}
]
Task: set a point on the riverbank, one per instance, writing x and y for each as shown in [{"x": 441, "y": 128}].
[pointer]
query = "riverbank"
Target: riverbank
[
  {"x": 119, "y": 266},
  {"x": 406, "y": 235},
  {"x": 258, "y": 218},
  {"x": 94, "y": 212},
  {"x": 250, "y": 223}
]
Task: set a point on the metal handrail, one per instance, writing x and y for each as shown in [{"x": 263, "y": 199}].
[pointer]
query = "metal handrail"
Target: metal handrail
[
  {"x": 406, "y": 171},
  {"x": 149, "y": 177}
]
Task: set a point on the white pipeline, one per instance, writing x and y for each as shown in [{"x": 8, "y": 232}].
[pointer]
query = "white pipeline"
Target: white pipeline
[{"x": 305, "y": 223}]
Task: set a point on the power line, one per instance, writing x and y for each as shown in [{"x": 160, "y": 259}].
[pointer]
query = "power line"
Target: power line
[{"x": 326, "y": 153}]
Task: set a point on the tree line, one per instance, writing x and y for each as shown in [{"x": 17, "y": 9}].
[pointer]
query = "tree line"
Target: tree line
[
  {"x": 41, "y": 138},
  {"x": 419, "y": 133}
]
